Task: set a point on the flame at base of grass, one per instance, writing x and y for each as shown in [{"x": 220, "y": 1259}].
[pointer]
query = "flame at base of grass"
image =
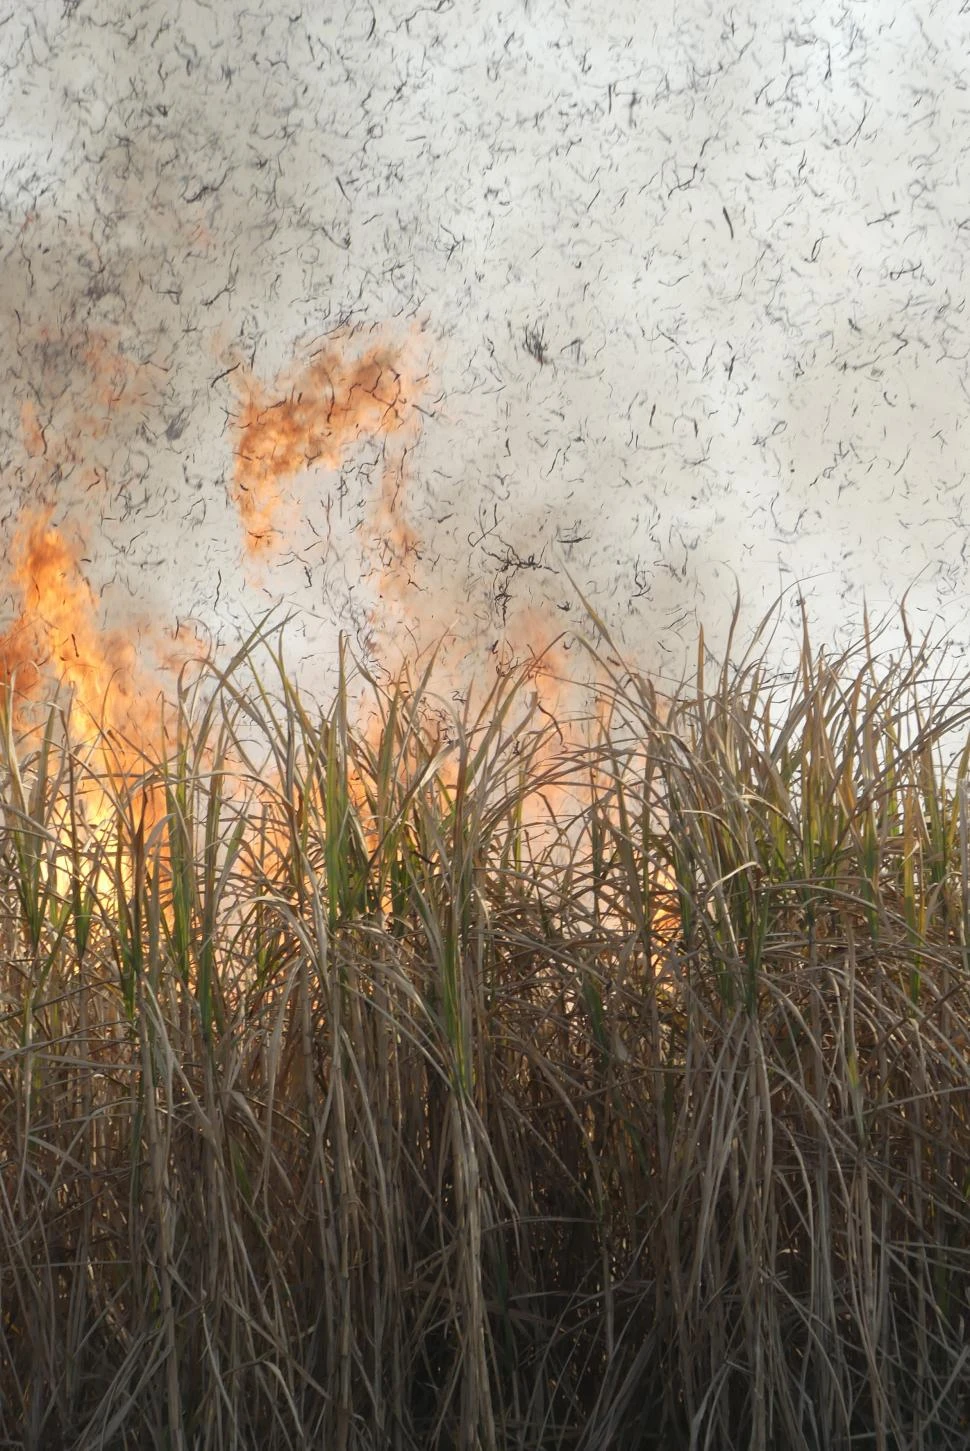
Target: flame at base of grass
[
  {"x": 56, "y": 660},
  {"x": 57, "y": 637},
  {"x": 523, "y": 737}
]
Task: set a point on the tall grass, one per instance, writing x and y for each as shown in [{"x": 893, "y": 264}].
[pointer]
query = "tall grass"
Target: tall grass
[{"x": 446, "y": 1084}]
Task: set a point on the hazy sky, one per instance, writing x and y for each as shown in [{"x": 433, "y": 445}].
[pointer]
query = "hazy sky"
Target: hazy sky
[{"x": 665, "y": 295}]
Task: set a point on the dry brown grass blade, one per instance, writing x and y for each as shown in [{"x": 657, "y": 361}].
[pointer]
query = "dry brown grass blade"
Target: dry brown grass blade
[{"x": 432, "y": 1086}]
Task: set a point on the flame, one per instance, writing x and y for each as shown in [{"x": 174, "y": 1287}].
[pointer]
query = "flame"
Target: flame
[
  {"x": 57, "y": 632},
  {"x": 307, "y": 419},
  {"x": 114, "y": 701},
  {"x": 310, "y": 422}
]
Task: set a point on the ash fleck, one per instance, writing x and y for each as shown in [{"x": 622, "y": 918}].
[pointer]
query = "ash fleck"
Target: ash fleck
[
  {"x": 176, "y": 426},
  {"x": 534, "y": 339}
]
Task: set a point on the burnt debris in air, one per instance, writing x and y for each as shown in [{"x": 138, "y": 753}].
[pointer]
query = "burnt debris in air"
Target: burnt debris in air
[{"x": 534, "y": 340}]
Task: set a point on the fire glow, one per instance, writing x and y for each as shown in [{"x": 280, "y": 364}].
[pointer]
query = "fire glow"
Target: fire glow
[
  {"x": 57, "y": 636},
  {"x": 112, "y": 682},
  {"x": 307, "y": 423}
]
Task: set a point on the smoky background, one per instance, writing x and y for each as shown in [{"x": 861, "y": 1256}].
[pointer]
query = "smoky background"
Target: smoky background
[{"x": 671, "y": 303}]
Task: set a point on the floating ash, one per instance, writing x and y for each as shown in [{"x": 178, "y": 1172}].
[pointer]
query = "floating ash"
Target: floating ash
[{"x": 310, "y": 421}]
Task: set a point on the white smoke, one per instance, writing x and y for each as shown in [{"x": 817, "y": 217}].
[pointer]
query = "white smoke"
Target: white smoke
[{"x": 687, "y": 282}]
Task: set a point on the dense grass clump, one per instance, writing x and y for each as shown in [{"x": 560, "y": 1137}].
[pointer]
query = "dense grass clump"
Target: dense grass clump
[{"x": 454, "y": 1082}]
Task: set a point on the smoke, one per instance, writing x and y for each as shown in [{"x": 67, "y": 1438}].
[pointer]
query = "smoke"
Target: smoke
[{"x": 397, "y": 324}]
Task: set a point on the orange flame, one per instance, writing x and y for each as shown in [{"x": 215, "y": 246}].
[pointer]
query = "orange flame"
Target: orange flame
[
  {"x": 57, "y": 633},
  {"x": 308, "y": 423},
  {"x": 306, "y": 420},
  {"x": 58, "y": 640}
]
